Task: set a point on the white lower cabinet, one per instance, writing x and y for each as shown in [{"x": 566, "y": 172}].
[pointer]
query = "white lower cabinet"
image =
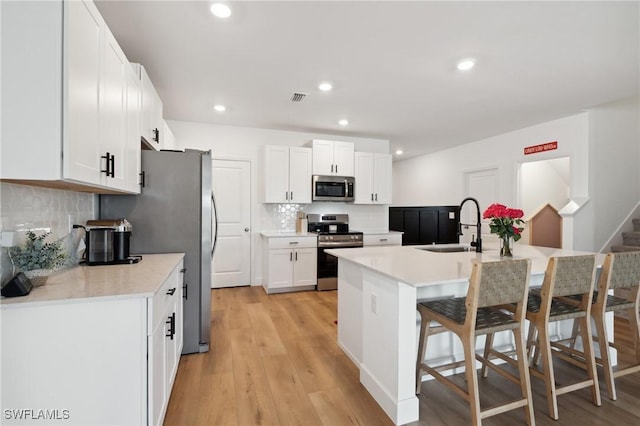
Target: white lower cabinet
[
  {"x": 164, "y": 343},
  {"x": 291, "y": 264},
  {"x": 390, "y": 239},
  {"x": 98, "y": 361}
]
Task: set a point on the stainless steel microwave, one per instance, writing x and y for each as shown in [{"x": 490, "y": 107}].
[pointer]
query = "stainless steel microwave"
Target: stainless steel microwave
[{"x": 333, "y": 188}]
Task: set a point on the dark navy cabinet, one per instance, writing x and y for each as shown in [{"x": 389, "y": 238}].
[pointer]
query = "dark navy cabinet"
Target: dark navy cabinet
[{"x": 426, "y": 224}]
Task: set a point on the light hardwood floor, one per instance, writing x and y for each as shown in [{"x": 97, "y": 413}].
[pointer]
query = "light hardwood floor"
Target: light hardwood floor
[{"x": 274, "y": 361}]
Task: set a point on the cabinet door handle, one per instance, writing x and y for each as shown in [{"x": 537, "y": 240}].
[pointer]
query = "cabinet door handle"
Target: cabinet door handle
[
  {"x": 171, "y": 291},
  {"x": 332, "y": 168},
  {"x": 296, "y": 256},
  {"x": 336, "y": 168},
  {"x": 112, "y": 173},
  {"x": 376, "y": 196},
  {"x": 291, "y": 256},
  {"x": 291, "y": 195},
  {"x": 156, "y": 135},
  {"x": 286, "y": 195},
  {"x": 172, "y": 326},
  {"x": 142, "y": 175},
  {"x": 107, "y": 164},
  {"x": 372, "y": 196},
  {"x": 184, "y": 291},
  {"x": 183, "y": 270}
]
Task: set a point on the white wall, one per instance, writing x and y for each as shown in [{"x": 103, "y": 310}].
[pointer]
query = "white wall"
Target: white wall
[
  {"x": 603, "y": 147},
  {"x": 614, "y": 133},
  {"x": 544, "y": 182},
  {"x": 244, "y": 143},
  {"x": 438, "y": 178}
]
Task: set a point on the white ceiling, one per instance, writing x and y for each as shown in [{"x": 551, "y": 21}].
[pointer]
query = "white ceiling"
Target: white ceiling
[{"x": 392, "y": 64}]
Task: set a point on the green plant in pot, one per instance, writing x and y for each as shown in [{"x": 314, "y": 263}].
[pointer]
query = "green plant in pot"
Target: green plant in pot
[{"x": 38, "y": 258}]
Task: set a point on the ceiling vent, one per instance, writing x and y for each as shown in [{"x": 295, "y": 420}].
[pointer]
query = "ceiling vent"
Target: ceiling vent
[{"x": 298, "y": 97}]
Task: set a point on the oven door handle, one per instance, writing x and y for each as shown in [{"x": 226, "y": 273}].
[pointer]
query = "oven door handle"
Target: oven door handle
[{"x": 339, "y": 245}]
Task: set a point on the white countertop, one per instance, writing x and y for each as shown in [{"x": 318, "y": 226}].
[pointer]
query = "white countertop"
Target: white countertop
[
  {"x": 419, "y": 268},
  {"x": 114, "y": 281}
]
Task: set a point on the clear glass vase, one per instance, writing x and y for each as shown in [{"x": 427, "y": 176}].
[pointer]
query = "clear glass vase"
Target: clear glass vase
[{"x": 506, "y": 245}]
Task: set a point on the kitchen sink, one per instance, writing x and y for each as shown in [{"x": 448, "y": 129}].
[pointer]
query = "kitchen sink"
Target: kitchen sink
[{"x": 449, "y": 249}]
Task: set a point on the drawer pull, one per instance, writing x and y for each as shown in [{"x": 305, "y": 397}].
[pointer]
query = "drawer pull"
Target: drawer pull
[
  {"x": 183, "y": 270},
  {"x": 171, "y": 291},
  {"x": 172, "y": 326},
  {"x": 293, "y": 242},
  {"x": 383, "y": 239}
]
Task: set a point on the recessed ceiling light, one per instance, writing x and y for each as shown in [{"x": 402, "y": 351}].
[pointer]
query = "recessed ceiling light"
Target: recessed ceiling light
[
  {"x": 325, "y": 87},
  {"x": 220, "y": 10},
  {"x": 399, "y": 152},
  {"x": 466, "y": 64},
  {"x": 343, "y": 122},
  {"x": 220, "y": 108}
]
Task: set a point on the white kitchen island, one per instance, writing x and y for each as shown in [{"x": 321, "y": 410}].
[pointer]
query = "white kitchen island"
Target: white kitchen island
[{"x": 378, "y": 288}]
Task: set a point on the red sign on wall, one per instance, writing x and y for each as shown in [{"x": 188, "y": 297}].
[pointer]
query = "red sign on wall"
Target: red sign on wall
[{"x": 534, "y": 149}]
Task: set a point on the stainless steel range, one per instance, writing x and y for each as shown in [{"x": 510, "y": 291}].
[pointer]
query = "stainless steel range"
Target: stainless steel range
[{"x": 333, "y": 232}]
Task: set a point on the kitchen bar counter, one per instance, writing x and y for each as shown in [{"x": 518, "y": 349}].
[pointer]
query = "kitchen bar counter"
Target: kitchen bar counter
[
  {"x": 378, "y": 288},
  {"x": 108, "y": 281},
  {"x": 418, "y": 268}
]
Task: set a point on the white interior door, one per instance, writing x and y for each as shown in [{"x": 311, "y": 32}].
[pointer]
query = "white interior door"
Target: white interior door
[
  {"x": 483, "y": 186},
  {"x": 231, "y": 264}
]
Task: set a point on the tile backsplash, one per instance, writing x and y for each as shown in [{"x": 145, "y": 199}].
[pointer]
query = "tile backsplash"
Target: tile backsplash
[
  {"x": 24, "y": 208},
  {"x": 282, "y": 217}
]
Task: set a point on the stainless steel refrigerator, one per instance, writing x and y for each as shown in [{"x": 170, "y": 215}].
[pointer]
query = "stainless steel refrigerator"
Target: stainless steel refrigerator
[{"x": 175, "y": 212}]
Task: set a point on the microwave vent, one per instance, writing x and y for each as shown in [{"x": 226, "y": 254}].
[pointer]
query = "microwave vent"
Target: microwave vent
[{"x": 298, "y": 96}]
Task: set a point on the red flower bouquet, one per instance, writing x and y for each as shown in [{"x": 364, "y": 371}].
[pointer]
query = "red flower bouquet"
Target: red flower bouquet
[{"x": 504, "y": 221}]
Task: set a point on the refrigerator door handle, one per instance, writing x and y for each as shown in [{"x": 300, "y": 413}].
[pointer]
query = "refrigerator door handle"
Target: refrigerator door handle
[{"x": 214, "y": 230}]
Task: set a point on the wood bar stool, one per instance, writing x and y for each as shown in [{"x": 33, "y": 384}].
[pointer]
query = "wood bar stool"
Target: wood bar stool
[
  {"x": 491, "y": 285},
  {"x": 566, "y": 293},
  {"x": 619, "y": 271}
]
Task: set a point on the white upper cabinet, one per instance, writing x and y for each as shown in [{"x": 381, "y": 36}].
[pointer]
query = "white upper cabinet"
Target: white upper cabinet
[
  {"x": 373, "y": 178},
  {"x": 64, "y": 101},
  {"x": 151, "y": 112},
  {"x": 287, "y": 174},
  {"x": 83, "y": 51},
  {"x": 332, "y": 158},
  {"x": 133, "y": 105}
]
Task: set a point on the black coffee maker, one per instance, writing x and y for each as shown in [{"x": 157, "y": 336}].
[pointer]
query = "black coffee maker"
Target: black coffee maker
[{"x": 107, "y": 242}]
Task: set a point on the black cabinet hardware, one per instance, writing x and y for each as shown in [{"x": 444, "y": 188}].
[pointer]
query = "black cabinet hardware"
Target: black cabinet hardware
[
  {"x": 142, "y": 176},
  {"x": 156, "y": 135},
  {"x": 171, "y": 291},
  {"x": 112, "y": 173},
  {"x": 184, "y": 291},
  {"x": 107, "y": 164},
  {"x": 110, "y": 163},
  {"x": 183, "y": 270},
  {"x": 171, "y": 320}
]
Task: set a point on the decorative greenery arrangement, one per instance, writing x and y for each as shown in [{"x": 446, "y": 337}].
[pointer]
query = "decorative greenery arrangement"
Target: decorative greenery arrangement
[{"x": 38, "y": 254}]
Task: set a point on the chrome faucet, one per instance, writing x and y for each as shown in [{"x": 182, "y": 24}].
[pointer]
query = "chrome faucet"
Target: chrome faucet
[{"x": 478, "y": 242}]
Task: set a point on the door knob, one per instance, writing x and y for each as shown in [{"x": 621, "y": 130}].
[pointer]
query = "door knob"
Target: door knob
[{"x": 246, "y": 229}]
